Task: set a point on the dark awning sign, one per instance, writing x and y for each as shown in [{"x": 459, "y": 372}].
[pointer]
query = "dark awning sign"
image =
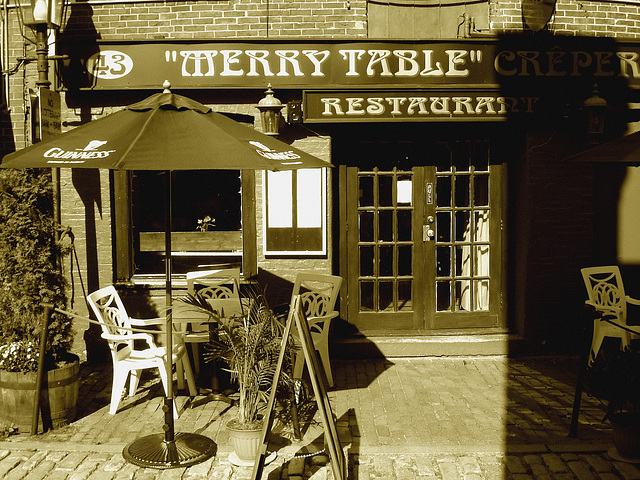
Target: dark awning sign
[{"x": 339, "y": 64}]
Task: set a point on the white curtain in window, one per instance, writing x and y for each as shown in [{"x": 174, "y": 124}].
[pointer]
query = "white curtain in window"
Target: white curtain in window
[{"x": 479, "y": 228}]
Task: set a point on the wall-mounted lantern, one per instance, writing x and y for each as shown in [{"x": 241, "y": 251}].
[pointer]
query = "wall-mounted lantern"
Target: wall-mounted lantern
[
  {"x": 270, "y": 112},
  {"x": 40, "y": 16},
  {"x": 595, "y": 106},
  {"x": 38, "y": 12}
]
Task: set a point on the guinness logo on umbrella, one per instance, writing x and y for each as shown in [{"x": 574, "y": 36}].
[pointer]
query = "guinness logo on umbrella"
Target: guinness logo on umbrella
[
  {"x": 78, "y": 155},
  {"x": 267, "y": 152}
]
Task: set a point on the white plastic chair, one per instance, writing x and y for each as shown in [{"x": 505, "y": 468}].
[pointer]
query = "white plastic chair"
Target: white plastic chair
[
  {"x": 221, "y": 289},
  {"x": 318, "y": 294},
  {"x": 606, "y": 294},
  {"x": 127, "y": 358}
]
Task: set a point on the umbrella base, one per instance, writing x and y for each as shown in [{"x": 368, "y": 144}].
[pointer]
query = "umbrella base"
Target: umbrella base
[{"x": 154, "y": 451}]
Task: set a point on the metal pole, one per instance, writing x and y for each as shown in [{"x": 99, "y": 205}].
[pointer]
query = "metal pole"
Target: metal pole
[
  {"x": 41, "y": 370},
  {"x": 168, "y": 404},
  {"x": 42, "y": 58}
]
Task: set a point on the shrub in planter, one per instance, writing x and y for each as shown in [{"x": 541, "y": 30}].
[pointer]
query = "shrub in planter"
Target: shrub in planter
[
  {"x": 30, "y": 274},
  {"x": 250, "y": 346},
  {"x": 614, "y": 377}
]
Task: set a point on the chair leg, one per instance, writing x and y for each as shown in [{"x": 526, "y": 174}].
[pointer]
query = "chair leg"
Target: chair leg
[
  {"x": 195, "y": 350},
  {"x": 119, "y": 380},
  {"x": 298, "y": 364},
  {"x": 134, "y": 380},
  {"x": 326, "y": 363},
  {"x": 180, "y": 374},
  {"x": 191, "y": 383},
  {"x": 596, "y": 343}
]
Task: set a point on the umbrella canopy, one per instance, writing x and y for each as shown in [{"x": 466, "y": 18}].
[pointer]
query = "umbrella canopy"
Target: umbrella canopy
[{"x": 163, "y": 132}]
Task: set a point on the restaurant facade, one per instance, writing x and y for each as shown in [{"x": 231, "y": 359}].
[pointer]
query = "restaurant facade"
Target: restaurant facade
[{"x": 451, "y": 209}]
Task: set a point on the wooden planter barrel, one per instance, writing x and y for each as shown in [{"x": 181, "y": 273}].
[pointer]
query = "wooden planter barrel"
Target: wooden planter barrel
[
  {"x": 58, "y": 398},
  {"x": 626, "y": 434}
]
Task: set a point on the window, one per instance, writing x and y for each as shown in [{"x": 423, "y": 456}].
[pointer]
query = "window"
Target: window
[
  {"x": 207, "y": 219},
  {"x": 295, "y": 212}
]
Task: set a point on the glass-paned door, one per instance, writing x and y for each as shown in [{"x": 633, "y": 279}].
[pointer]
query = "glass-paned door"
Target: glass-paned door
[
  {"x": 463, "y": 235},
  {"x": 423, "y": 238}
]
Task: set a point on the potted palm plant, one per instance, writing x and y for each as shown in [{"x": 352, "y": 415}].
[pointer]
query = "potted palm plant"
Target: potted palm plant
[
  {"x": 614, "y": 377},
  {"x": 249, "y": 345},
  {"x": 30, "y": 276}
]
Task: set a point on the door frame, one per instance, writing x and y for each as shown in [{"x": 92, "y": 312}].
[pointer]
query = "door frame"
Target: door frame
[{"x": 423, "y": 322}]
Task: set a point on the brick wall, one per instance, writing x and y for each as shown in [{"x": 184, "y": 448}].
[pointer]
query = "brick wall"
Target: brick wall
[
  {"x": 619, "y": 19},
  {"x": 221, "y": 19},
  {"x": 553, "y": 237}
]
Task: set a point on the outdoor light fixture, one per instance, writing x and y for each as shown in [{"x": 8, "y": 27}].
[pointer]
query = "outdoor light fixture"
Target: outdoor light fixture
[
  {"x": 40, "y": 16},
  {"x": 595, "y": 107},
  {"x": 270, "y": 112}
]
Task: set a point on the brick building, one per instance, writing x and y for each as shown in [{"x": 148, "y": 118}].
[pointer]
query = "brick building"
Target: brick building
[{"x": 451, "y": 212}]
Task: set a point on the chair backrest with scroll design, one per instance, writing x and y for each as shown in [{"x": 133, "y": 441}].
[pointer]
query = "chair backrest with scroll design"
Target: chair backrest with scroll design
[
  {"x": 110, "y": 311},
  {"x": 605, "y": 289},
  {"x": 318, "y": 293},
  {"x": 221, "y": 288}
]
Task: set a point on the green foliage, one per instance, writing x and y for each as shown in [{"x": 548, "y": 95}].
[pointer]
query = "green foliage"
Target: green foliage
[
  {"x": 28, "y": 257},
  {"x": 250, "y": 346}
]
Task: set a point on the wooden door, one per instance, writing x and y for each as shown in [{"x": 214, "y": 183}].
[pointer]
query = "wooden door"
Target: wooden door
[{"x": 423, "y": 237}]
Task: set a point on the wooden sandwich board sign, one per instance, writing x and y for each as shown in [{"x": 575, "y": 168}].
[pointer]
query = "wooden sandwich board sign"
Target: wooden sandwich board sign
[{"x": 318, "y": 382}]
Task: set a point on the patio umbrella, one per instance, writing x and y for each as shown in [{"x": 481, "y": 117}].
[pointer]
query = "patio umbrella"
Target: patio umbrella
[{"x": 164, "y": 132}]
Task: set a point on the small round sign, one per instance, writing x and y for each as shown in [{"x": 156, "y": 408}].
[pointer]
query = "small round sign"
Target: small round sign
[{"x": 109, "y": 64}]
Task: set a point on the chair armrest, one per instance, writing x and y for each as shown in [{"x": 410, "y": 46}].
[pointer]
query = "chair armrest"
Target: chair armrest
[
  {"x": 633, "y": 301},
  {"x": 330, "y": 316},
  {"x": 119, "y": 338},
  {"x": 604, "y": 310},
  {"x": 321, "y": 321},
  {"x": 143, "y": 322}
]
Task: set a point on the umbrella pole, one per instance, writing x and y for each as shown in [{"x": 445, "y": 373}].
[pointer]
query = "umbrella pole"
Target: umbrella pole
[
  {"x": 168, "y": 401},
  {"x": 169, "y": 450}
]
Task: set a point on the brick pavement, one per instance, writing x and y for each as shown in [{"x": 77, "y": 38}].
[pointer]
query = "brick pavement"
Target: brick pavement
[{"x": 416, "y": 418}]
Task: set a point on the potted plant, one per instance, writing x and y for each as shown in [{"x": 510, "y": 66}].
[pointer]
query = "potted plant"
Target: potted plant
[
  {"x": 614, "y": 377},
  {"x": 249, "y": 345},
  {"x": 30, "y": 276}
]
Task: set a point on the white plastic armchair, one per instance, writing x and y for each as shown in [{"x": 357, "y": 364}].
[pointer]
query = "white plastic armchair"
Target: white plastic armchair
[
  {"x": 318, "y": 294},
  {"x": 128, "y": 358},
  {"x": 607, "y": 296}
]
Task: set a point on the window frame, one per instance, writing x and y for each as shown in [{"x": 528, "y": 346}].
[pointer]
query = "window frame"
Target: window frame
[{"x": 295, "y": 248}]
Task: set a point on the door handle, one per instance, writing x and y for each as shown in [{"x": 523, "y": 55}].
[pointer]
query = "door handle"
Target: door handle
[
  {"x": 427, "y": 229},
  {"x": 427, "y": 233}
]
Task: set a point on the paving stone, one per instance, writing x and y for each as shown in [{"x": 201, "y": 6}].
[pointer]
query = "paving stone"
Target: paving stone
[
  {"x": 515, "y": 465},
  {"x": 627, "y": 471},
  {"x": 598, "y": 463},
  {"x": 554, "y": 462},
  {"x": 423, "y": 418},
  {"x": 84, "y": 471},
  {"x": 581, "y": 470}
]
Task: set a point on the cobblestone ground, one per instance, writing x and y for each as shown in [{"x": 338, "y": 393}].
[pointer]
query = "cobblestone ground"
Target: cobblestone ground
[{"x": 427, "y": 418}]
